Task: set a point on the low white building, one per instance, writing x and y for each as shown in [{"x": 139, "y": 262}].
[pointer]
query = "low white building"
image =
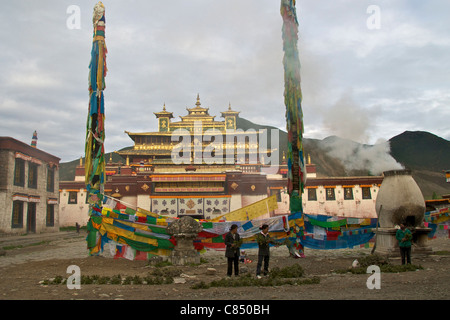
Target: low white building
[
  {"x": 177, "y": 193},
  {"x": 335, "y": 196}
]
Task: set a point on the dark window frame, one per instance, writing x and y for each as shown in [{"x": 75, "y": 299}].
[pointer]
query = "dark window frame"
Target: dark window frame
[
  {"x": 17, "y": 214},
  {"x": 330, "y": 194},
  {"x": 72, "y": 198},
  {"x": 19, "y": 172},
  {"x": 50, "y": 179},
  {"x": 348, "y": 193},
  {"x": 312, "y": 194},
  {"x": 50, "y": 216},
  {"x": 33, "y": 170},
  {"x": 366, "y": 193}
]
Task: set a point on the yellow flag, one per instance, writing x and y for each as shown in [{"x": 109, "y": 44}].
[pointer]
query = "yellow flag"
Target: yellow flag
[{"x": 252, "y": 211}]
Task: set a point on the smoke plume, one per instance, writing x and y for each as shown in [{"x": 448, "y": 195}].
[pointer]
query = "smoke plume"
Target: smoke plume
[
  {"x": 348, "y": 121},
  {"x": 355, "y": 156}
]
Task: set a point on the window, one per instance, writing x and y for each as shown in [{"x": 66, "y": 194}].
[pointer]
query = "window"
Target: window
[
  {"x": 272, "y": 192},
  {"x": 32, "y": 175},
  {"x": 19, "y": 172},
  {"x": 17, "y": 214},
  {"x": 50, "y": 179},
  {"x": 50, "y": 218},
  {"x": 31, "y": 217},
  {"x": 348, "y": 193},
  {"x": 73, "y": 195},
  {"x": 312, "y": 194},
  {"x": 330, "y": 194},
  {"x": 366, "y": 193}
]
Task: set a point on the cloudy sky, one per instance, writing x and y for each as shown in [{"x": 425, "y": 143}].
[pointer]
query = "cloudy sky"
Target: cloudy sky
[{"x": 363, "y": 78}]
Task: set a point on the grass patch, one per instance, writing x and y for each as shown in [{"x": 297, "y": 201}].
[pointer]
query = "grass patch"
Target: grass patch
[
  {"x": 165, "y": 272},
  {"x": 293, "y": 271},
  {"x": 39, "y": 243},
  {"x": 442, "y": 253},
  {"x": 277, "y": 277},
  {"x": 72, "y": 228},
  {"x": 20, "y": 246},
  {"x": 163, "y": 264},
  {"x": 12, "y": 247},
  {"x": 149, "y": 279},
  {"x": 250, "y": 281},
  {"x": 154, "y": 277}
]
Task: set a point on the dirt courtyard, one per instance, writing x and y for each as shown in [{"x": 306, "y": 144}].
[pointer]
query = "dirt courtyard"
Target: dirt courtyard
[{"x": 24, "y": 268}]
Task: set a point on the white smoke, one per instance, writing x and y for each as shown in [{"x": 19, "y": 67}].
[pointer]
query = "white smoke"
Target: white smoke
[
  {"x": 355, "y": 156},
  {"x": 348, "y": 121}
]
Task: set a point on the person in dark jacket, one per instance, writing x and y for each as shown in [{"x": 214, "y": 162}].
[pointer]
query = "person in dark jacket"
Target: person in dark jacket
[
  {"x": 404, "y": 237},
  {"x": 233, "y": 245},
  {"x": 263, "y": 239}
]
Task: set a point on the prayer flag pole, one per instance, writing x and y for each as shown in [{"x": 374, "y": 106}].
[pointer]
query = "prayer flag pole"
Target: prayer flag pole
[
  {"x": 95, "y": 128},
  {"x": 294, "y": 124},
  {"x": 292, "y": 100}
]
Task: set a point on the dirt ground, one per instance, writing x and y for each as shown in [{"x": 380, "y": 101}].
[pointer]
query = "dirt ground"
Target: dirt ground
[{"x": 23, "y": 268}]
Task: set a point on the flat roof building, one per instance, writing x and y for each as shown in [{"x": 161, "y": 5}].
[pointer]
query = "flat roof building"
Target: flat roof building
[{"x": 29, "y": 188}]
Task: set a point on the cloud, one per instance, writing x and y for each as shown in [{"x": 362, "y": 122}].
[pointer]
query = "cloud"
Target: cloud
[{"x": 357, "y": 83}]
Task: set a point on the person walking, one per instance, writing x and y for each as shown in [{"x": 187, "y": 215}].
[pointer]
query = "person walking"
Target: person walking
[
  {"x": 404, "y": 237},
  {"x": 232, "y": 251},
  {"x": 263, "y": 239}
]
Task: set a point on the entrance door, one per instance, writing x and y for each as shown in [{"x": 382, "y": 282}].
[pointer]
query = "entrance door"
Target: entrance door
[{"x": 31, "y": 217}]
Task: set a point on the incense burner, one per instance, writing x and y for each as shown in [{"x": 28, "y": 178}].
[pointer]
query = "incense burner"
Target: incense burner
[{"x": 400, "y": 201}]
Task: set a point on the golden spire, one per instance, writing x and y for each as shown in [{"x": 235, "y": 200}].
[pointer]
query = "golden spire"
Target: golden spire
[{"x": 198, "y": 100}]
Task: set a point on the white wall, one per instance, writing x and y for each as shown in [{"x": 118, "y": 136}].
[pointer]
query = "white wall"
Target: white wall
[{"x": 70, "y": 214}]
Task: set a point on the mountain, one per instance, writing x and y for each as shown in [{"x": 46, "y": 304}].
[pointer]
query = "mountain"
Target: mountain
[
  {"x": 67, "y": 169},
  {"x": 426, "y": 154},
  {"x": 419, "y": 149}
]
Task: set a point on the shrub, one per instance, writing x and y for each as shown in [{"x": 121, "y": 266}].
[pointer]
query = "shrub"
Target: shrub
[
  {"x": 117, "y": 279},
  {"x": 57, "y": 280},
  {"x": 373, "y": 259},
  {"x": 128, "y": 280},
  {"x": 162, "y": 264},
  {"x": 103, "y": 280},
  {"x": 293, "y": 271},
  {"x": 249, "y": 281},
  {"x": 200, "y": 285}
]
